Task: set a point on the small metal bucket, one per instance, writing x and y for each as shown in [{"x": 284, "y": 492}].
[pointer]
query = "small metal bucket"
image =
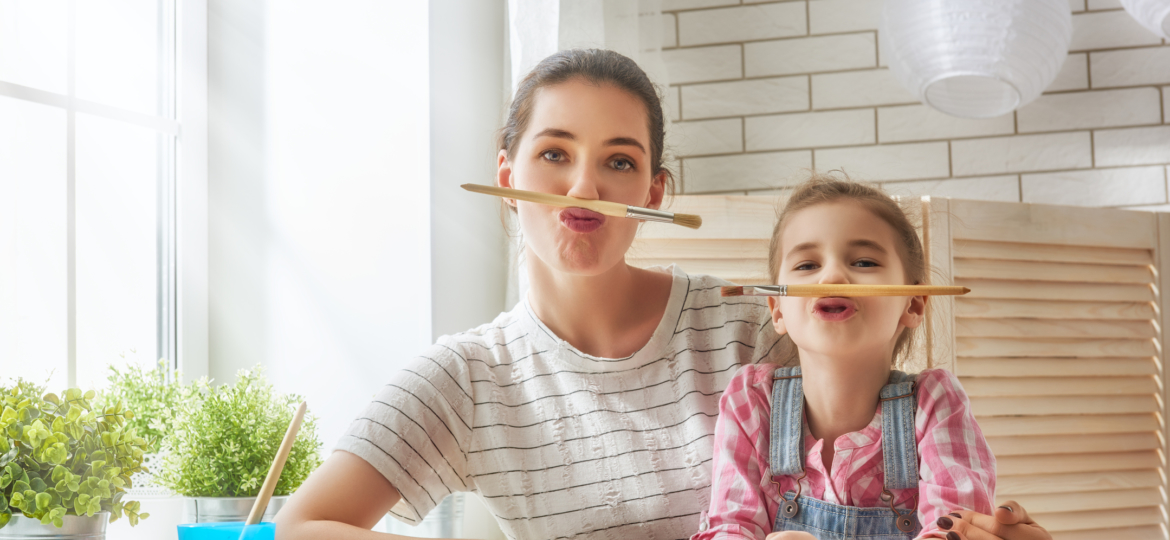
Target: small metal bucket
[
  {"x": 74, "y": 528},
  {"x": 221, "y": 509}
]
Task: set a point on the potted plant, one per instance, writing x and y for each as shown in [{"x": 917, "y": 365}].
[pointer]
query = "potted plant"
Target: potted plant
[
  {"x": 65, "y": 465},
  {"x": 223, "y": 441},
  {"x": 154, "y": 397}
]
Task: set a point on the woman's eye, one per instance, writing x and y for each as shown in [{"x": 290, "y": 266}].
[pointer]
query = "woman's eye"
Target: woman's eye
[
  {"x": 553, "y": 155},
  {"x": 622, "y": 164}
]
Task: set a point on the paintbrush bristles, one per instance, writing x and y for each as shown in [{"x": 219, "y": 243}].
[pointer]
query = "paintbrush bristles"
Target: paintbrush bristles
[
  {"x": 820, "y": 290},
  {"x": 690, "y": 221}
]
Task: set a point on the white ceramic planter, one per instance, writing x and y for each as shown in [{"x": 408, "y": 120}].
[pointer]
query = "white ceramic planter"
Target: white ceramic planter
[
  {"x": 75, "y": 528},
  {"x": 166, "y": 513}
]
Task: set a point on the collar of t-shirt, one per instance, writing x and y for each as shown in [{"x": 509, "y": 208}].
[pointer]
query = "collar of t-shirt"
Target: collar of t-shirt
[{"x": 547, "y": 343}]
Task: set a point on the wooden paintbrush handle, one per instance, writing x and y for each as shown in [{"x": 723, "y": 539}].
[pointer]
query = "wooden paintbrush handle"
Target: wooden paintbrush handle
[
  {"x": 601, "y": 207},
  {"x": 277, "y": 466},
  {"x": 821, "y": 290}
]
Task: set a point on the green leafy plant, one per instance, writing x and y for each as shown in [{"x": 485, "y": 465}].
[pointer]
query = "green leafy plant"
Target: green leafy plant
[
  {"x": 153, "y": 397},
  {"x": 63, "y": 456},
  {"x": 226, "y": 437}
]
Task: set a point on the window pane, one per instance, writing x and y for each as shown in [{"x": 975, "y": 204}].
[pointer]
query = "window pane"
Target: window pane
[
  {"x": 118, "y": 53},
  {"x": 34, "y": 43},
  {"x": 33, "y": 304},
  {"x": 117, "y": 179}
]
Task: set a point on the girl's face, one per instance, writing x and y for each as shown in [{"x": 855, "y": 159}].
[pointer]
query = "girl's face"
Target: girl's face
[
  {"x": 834, "y": 243},
  {"x": 590, "y": 142}
]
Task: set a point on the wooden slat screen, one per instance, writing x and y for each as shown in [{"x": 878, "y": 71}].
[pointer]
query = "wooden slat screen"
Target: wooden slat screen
[{"x": 1059, "y": 345}]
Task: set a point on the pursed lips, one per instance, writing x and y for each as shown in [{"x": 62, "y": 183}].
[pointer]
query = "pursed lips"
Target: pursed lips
[
  {"x": 834, "y": 309},
  {"x": 580, "y": 220}
]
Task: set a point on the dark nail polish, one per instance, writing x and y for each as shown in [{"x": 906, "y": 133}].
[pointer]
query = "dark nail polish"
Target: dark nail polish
[
  {"x": 954, "y": 536},
  {"x": 955, "y": 515},
  {"x": 945, "y": 522}
]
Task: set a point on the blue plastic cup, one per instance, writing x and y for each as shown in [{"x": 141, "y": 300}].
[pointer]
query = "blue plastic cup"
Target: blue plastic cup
[{"x": 231, "y": 530}]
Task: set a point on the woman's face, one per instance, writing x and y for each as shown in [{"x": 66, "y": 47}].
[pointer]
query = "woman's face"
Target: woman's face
[
  {"x": 590, "y": 142},
  {"x": 834, "y": 243}
]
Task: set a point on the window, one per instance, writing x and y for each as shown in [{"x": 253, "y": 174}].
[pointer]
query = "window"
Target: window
[{"x": 89, "y": 146}]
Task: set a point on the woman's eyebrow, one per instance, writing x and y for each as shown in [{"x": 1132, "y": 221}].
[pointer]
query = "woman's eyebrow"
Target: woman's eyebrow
[
  {"x": 616, "y": 141},
  {"x": 558, "y": 133},
  {"x": 626, "y": 141}
]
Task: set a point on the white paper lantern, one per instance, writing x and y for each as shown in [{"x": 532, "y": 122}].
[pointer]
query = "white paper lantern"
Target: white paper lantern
[
  {"x": 976, "y": 58},
  {"x": 1153, "y": 14}
]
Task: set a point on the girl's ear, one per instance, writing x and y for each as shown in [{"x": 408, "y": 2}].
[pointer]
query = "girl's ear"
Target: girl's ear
[
  {"x": 777, "y": 317},
  {"x": 914, "y": 313},
  {"x": 504, "y": 175}
]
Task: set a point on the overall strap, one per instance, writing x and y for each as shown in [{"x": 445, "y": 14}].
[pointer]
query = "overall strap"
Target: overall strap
[
  {"x": 786, "y": 430},
  {"x": 899, "y": 443}
]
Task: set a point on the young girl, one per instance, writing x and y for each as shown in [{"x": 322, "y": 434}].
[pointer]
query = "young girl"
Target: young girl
[{"x": 844, "y": 446}]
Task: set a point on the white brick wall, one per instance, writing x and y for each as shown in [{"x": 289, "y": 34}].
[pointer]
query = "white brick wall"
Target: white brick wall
[
  {"x": 809, "y": 130},
  {"x": 766, "y": 21},
  {"x": 762, "y": 90},
  {"x": 1073, "y": 75},
  {"x": 706, "y": 137},
  {"x": 1022, "y": 153},
  {"x": 810, "y": 54},
  {"x": 1098, "y": 187},
  {"x": 743, "y": 171},
  {"x": 754, "y": 96}
]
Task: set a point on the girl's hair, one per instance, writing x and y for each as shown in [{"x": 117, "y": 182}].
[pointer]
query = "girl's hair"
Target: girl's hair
[
  {"x": 823, "y": 188},
  {"x": 597, "y": 66}
]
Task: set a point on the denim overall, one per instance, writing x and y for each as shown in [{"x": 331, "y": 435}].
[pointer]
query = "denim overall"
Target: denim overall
[{"x": 828, "y": 521}]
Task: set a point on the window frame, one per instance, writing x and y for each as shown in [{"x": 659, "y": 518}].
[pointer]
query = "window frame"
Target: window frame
[{"x": 182, "y": 195}]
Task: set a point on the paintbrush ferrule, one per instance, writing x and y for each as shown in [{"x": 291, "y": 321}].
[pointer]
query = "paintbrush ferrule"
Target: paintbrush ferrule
[
  {"x": 647, "y": 214},
  {"x": 765, "y": 290}
]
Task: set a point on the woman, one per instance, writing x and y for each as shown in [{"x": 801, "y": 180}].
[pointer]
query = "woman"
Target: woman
[{"x": 586, "y": 411}]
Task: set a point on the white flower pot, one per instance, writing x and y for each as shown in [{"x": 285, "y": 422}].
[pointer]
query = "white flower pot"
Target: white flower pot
[{"x": 166, "y": 513}]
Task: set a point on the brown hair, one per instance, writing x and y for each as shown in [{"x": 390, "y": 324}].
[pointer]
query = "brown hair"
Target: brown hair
[
  {"x": 597, "y": 66},
  {"x": 823, "y": 188}
]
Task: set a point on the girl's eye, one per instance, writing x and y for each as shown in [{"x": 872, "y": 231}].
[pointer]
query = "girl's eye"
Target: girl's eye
[
  {"x": 866, "y": 264},
  {"x": 553, "y": 155},
  {"x": 622, "y": 164},
  {"x": 806, "y": 266}
]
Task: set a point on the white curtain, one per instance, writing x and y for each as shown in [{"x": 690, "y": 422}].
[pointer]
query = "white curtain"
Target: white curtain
[{"x": 538, "y": 28}]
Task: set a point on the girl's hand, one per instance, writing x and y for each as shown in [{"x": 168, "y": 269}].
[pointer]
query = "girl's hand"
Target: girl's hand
[
  {"x": 790, "y": 535},
  {"x": 1011, "y": 522}
]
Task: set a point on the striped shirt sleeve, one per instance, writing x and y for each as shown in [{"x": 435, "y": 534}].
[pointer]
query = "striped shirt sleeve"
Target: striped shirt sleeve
[{"x": 417, "y": 430}]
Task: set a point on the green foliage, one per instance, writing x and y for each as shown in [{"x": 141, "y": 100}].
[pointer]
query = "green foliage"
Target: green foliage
[
  {"x": 65, "y": 456},
  {"x": 225, "y": 439},
  {"x": 151, "y": 396}
]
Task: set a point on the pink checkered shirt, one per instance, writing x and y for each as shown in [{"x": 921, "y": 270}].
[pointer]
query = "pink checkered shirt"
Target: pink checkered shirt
[{"x": 956, "y": 467}]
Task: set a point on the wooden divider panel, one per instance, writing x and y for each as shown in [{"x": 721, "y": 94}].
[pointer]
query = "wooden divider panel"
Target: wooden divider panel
[{"x": 1059, "y": 348}]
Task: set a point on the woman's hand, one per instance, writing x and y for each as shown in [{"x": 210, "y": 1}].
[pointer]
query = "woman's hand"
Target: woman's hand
[
  {"x": 790, "y": 535},
  {"x": 1010, "y": 522}
]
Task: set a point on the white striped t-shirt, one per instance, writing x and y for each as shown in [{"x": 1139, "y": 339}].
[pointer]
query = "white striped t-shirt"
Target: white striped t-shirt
[{"x": 558, "y": 443}]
